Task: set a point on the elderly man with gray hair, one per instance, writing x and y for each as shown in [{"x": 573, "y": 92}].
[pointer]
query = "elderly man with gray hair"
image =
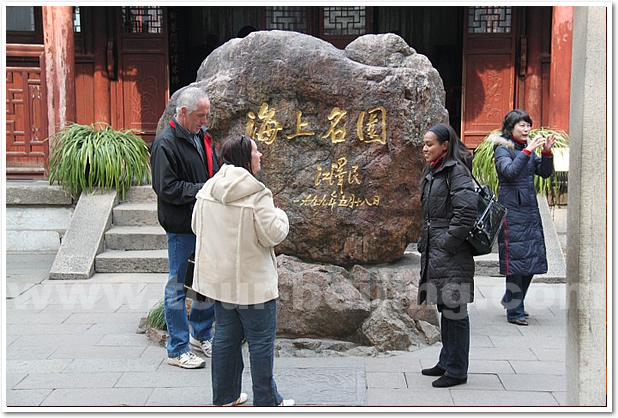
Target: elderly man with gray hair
[{"x": 182, "y": 159}]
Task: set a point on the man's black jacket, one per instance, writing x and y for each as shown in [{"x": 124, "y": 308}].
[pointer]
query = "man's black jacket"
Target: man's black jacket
[{"x": 178, "y": 173}]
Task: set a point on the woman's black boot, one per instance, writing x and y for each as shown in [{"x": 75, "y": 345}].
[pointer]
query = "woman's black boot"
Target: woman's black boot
[{"x": 434, "y": 371}]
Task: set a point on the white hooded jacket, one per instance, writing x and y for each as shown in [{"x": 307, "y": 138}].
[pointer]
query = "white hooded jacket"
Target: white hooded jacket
[{"x": 237, "y": 226}]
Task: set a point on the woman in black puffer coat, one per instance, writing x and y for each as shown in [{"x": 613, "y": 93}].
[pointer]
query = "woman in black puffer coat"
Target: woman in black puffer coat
[
  {"x": 521, "y": 242},
  {"x": 447, "y": 267}
]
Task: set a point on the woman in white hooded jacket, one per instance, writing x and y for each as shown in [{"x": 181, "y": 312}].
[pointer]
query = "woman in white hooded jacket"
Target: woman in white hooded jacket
[{"x": 237, "y": 226}]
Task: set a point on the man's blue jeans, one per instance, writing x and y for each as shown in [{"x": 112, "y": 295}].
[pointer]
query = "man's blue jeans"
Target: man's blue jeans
[
  {"x": 455, "y": 332},
  {"x": 513, "y": 300},
  {"x": 202, "y": 315},
  {"x": 258, "y": 324}
]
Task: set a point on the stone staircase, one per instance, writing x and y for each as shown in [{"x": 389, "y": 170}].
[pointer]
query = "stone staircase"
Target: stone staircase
[{"x": 135, "y": 243}]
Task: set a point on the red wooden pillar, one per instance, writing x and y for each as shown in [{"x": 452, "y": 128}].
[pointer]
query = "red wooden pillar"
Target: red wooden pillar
[
  {"x": 59, "y": 66},
  {"x": 103, "y": 51},
  {"x": 560, "y": 79},
  {"x": 532, "y": 99}
]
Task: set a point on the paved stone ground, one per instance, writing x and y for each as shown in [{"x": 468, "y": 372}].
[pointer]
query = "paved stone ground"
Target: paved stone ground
[{"x": 74, "y": 343}]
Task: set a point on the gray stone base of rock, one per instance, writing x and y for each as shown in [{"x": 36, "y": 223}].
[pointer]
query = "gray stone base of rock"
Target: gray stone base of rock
[
  {"x": 310, "y": 347},
  {"x": 287, "y": 347},
  {"x": 328, "y": 310},
  {"x": 157, "y": 336},
  {"x": 374, "y": 305}
]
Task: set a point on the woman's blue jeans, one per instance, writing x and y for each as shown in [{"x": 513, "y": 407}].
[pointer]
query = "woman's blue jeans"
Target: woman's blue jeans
[
  {"x": 202, "y": 315},
  {"x": 455, "y": 332},
  {"x": 258, "y": 324},
  {"x": 513, "y": 300}
]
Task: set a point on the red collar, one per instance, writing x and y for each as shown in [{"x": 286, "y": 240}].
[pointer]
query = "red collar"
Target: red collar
[
  {"x": 438, "y": 161},
  {"x": 519, "y": 141}
]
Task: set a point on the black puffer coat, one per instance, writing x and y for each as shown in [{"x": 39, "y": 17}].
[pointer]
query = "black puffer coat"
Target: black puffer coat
[
  {"x": 449, "y": 210},
  {"x": 521, "y": 242}
]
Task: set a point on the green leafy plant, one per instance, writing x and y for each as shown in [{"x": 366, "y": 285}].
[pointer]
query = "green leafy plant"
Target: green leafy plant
[
  {"x": 484, "y": 168},
  {"x": 83, "y": 157},
  {"x": 156, "y": 317}
]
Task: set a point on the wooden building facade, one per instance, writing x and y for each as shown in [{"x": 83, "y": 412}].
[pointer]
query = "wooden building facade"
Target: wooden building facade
[{"x": 121, "y": 64}]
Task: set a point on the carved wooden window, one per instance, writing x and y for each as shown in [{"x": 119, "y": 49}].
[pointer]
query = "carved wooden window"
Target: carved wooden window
[
  {"x": 287, "y": 18},
  {"x": 142, "y": 19},
  {"x": 344, "y": 20},
  {"x": 482, "y": 19}
]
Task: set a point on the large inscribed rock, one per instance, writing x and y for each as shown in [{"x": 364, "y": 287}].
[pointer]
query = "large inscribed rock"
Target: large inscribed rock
[{"x": 340, "y": 132}]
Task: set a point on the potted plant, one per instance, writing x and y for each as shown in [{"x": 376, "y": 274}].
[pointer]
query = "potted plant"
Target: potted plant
[
  {"x": 484, "y": 168},
  {"x": 83, "y": 157}
]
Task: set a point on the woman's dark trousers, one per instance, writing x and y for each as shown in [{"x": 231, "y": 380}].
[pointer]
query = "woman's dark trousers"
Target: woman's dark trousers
[{"x": 455, "y": 331}]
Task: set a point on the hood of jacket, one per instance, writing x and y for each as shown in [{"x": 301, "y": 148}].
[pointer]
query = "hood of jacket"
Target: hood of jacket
[
  {"x": 497, "y": 139},
  {"x": 233, "y": 183}
]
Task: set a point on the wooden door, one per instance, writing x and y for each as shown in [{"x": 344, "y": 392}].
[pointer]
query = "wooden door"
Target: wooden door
[
  {"x": 489, "y": 58},
  {"x": 143, "y": 86},
  {"x": 26, "y": 112}
]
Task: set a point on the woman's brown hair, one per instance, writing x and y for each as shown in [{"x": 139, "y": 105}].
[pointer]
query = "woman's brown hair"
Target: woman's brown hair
[{"x": 236, "y": 151}]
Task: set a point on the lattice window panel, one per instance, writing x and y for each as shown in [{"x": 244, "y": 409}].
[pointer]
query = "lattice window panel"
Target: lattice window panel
[
  {"x": 77, "y": 19},
  {"x": 287, "y": 18},
  {"x": 142, "y": 19},
  {"x": 173, "y": 49},
  {"x": 483, "y": 19},
  {"x": 343, "y": 20}
]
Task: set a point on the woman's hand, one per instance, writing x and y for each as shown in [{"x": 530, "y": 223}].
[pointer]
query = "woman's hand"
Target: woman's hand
[
  {"x": 549, "y": 142},
  {"x": 536, "y": 142}
]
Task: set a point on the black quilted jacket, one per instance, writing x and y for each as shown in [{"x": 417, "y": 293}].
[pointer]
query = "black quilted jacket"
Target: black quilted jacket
[{"x": 449, "y": 210}]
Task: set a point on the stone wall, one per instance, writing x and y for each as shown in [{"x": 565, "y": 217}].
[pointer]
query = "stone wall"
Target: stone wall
[{"x": 37, "y": 216}]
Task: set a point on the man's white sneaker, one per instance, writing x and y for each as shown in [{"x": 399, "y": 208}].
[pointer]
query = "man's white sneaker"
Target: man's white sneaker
[
  {"x": 187, "y": 360},
  {"x": 204, "y": 346},
  {"x": 241, "y": 400},
  {"x": 287, "y": 402}
]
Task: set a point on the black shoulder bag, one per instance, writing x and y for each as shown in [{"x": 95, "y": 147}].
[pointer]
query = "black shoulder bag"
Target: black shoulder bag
[{"x": 489, "y": 220}]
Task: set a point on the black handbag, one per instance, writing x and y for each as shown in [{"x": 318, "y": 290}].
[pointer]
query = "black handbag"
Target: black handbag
[
  {"x": 489, "y": 220},
  {"x": 189, "y": 291}
]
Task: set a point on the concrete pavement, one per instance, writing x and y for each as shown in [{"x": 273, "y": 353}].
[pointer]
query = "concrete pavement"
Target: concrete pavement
[{"x": 74, "y": 343}]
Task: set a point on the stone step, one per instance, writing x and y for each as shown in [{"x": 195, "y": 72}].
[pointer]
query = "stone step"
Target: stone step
[
  {"x": 140, "y": 194},
  {"x": 145, "y": 261},
  {"x": 135, "y": 243},
  {"x": 135, "y": 213},
  {"x": 135, "y": 238}
]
